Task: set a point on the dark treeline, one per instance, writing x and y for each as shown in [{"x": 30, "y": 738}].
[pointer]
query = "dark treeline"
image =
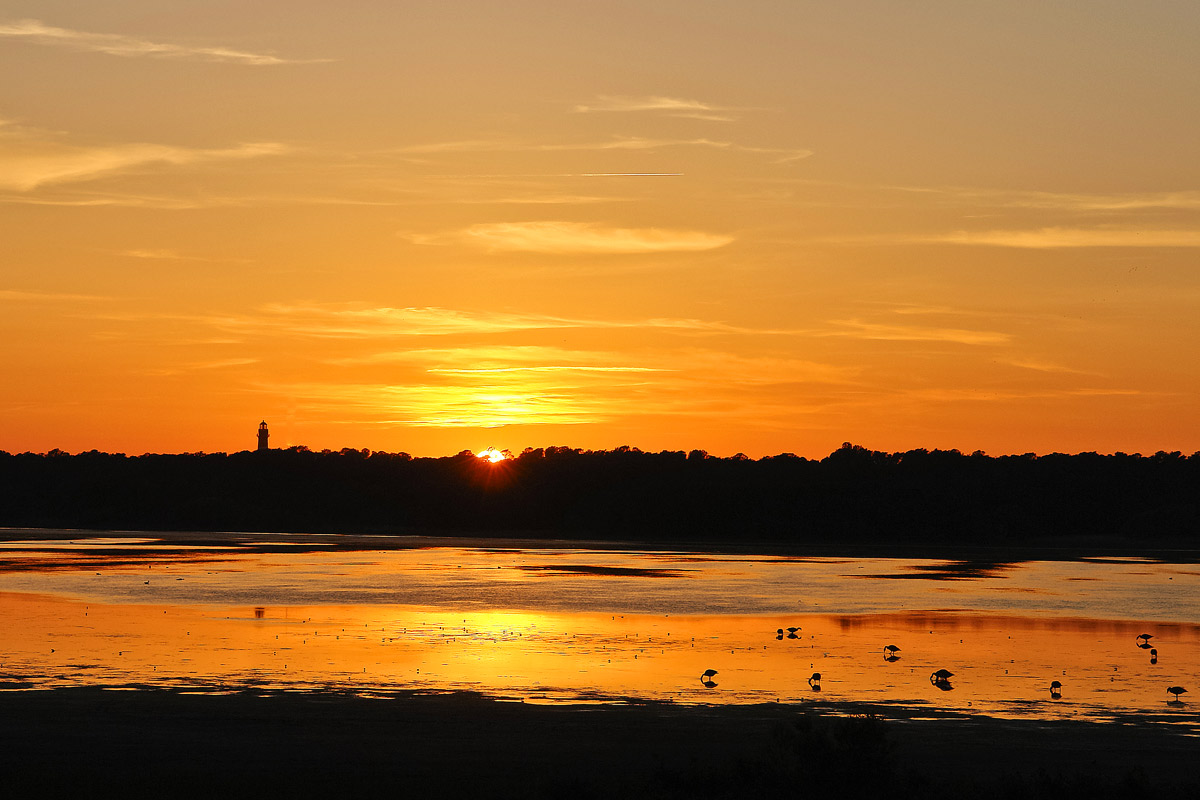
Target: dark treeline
[{"x": 852, "y": 495}]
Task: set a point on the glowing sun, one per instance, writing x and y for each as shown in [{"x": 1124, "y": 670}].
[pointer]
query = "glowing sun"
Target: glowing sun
[{"x": 491, "y": 454}]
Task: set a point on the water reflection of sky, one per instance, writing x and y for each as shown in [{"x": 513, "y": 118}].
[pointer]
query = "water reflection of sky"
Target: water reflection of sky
[{"x": 565, "y": 623}]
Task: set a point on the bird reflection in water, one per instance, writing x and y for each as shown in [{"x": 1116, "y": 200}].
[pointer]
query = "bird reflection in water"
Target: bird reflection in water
[
  {"x": 706, "y": 679},
  {"x": 815, "y": 682},
  {"x": 1055, "y": 690},
  {"x": 889, "y": 652},
  {"x": 1153, "y": 656}
]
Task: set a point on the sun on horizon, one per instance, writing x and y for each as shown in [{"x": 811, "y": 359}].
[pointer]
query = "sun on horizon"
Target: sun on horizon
[{"x": 491, "y": 455}]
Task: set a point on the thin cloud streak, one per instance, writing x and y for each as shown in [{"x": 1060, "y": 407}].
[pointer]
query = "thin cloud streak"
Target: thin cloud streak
[
  {"x": 633, "y": 143},
  {"x": 48, "y": 297},
  {"x": 29, "y": 165},
  {"x": 578, "y": 237},
  {"x": 553, "y": 368},
  {"x": 1045, "y": 366},
  {"x": 699, "y": 383},
  {"x": 114, "y": 44},
  {"x": 446, "y": 406},
  {"x": 671, "y": 106},
  {"x": 1066, "y": 201},
  {"x": 857, "y": 329},
  {"x": 351, "y": 321},
  {"x": 1051, "y": 238}
]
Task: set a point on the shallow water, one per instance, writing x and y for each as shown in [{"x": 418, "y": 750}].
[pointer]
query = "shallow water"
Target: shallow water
[{"x": 555, "y": 624}]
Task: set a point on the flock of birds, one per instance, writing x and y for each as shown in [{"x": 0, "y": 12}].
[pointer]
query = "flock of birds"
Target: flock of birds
[{"x": 941, "y": 677}]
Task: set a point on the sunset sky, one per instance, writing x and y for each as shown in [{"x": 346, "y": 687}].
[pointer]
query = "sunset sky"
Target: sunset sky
[{"x": 764, "y": 226}]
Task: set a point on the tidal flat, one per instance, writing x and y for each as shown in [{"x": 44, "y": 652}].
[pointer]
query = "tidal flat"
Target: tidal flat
[{"x": 398, "y": 656}]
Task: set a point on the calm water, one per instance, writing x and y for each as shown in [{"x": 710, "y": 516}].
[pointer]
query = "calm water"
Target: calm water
[{"x": 563, "y": 624}]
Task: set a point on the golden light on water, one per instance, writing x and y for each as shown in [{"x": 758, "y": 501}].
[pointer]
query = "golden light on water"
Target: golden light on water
[{"x": 566, "y": 624}]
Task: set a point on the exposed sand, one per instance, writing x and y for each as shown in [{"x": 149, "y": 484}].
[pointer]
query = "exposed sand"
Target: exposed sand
[{"x": 95, "y": 742}]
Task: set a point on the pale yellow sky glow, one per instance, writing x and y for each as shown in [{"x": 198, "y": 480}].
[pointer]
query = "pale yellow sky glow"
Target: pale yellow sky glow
[{"x": 431, "y": 227}]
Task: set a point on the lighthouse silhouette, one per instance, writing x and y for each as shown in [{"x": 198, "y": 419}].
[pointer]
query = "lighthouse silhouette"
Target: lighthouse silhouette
[{"x": 263, "y": 435}]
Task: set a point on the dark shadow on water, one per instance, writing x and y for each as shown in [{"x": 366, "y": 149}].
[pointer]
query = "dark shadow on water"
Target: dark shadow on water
[
  {"x": 948, "y": 571},
  {"x": 585, "y": 569}
]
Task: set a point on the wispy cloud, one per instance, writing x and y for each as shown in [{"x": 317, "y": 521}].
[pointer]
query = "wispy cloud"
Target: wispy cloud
[
  {"x": 631, "y": 143},
  {"x": 155, "y": 255},
  {"x": 580, "y": 237},
  {"x": 28, "y": 163},
  {"x": 1038, "y": 365},
  {"x": 357, "y": 321},
  {"x": 857, "y": 329},
  {"x": 672, "y": 106},
  {"x": 165, "y": 254},
  {"x": 114, "y": 44},
  {"x": 16, "y": 296},
  {"x": 1047, "y": 238},
  {"x": 498, "y": 386},
  {"x": 539, "y": 368},
  {"x": 446, "y": 406},
  {"x": 340, "y": 321},
  {"x": 200, "y": 366},
  {"x": 1065, "y": 201}
]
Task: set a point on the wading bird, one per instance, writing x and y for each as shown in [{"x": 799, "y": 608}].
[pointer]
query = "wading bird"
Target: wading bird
[
  {"x": 1055, "y": 689},
  {"x": 707, "y": 674},
  {"x": 891, "y": 649},
  {"x": 941, "y": 676},
  {"x": 815, "y": 681},
  {"x": 1153, "y": 656},
  {"x": 1176, "y": 690},
  {"x": 1145, "y": 638}
]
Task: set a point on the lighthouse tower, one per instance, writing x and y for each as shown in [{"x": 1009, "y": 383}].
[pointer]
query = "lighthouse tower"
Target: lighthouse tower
[{"x": 262, "y": 436}]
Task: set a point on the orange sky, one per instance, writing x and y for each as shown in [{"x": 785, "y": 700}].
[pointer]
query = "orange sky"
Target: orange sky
[{"x": 761, "y": 227}]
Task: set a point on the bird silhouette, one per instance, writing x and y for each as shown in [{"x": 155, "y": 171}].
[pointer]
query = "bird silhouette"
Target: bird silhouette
[
  {"x": 1153, "y": 656},
  {"x": 707, "y": 674},
  {"x": 815, "y": 681},
  {"x": 1055, "y": 689},
  {"x": 1145, "y": 637},
  {"x": 1176, "y": 690},
  {"x": 792, "y": 630},
  {"x": 941, "y": 676}
]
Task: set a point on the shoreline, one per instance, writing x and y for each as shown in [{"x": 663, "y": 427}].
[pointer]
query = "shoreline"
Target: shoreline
[
  {"x": 1064, "y": 549},
  {"x": 98, "y": 742}
]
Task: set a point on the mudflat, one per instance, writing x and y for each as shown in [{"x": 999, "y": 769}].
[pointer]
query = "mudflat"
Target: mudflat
[{"x": 95, "y": 742}]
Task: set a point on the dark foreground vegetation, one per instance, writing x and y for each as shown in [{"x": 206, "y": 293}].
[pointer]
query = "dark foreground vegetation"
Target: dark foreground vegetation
[
  {"x": 852, "y": 495},
  {"x": 88, "y": 742}
]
